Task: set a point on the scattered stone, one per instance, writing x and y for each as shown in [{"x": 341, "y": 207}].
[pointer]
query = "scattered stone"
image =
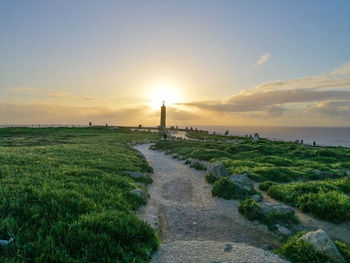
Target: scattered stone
[
  {"x": 256, "y": 136},
  {"x": 136, "y": 175},
  {"x": 322, "y": 244},
  {"x": 243, "y": 181},
  {"x": 138, "y": 192},
  {"x": 5, "y": 243},
  {"x": 257, "y": 198},
  {"x": 217, "y": 170}
]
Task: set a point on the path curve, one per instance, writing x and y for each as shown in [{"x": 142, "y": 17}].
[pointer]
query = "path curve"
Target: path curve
[{"x": 194, "y": 223}]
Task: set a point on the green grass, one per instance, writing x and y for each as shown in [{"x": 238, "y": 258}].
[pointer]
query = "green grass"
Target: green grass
[
  {"x": 264, "y": 160},
  {"x": 251, "y": 210},
  {"x": 300, "y": 251},
  {"x": 327, "y": 199},
  {"x": 64, "y": 196},
  {"x": 226, "y": 189}
]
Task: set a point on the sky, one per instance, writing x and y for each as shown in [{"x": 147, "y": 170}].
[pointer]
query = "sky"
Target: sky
[{"x": 226, "y": 62}]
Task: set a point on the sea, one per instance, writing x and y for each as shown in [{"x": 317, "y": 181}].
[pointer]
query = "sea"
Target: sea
[{"x": 323, "y": 136}]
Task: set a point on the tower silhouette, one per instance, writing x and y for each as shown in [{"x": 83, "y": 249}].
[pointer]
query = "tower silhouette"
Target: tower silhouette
[{"x": 163, "y": 116}]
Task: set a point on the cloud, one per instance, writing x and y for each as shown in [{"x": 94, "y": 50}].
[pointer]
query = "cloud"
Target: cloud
[
  {"x": 263, "y": 58},
  {"x": 323, "y": 95}
]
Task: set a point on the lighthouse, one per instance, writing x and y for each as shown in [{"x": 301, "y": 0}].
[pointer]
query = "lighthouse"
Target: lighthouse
[{"x": 162, "y": 117}]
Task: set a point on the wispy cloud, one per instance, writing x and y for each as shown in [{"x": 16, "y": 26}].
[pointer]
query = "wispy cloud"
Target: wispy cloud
[{"x": 263, "y": 59}]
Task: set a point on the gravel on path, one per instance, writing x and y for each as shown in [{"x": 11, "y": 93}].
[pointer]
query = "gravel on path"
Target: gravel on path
[{"x": 193, "y": 223}]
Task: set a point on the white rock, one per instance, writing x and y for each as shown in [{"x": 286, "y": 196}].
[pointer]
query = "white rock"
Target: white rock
[{"x": 322, "y": 244}]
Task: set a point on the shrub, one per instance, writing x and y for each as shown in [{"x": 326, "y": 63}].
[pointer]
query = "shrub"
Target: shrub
[
  {"x": 210, "y": 179},
  {"x": 226, "y": 189},
  {"x": 250, "y": 209},
  {"x": 297, "y": 250},
  {"x": 198, "y": 166},
  {"x": 332, "y": 206}
]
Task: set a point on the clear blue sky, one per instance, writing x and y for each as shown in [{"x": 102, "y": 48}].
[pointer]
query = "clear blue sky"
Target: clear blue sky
[{"x": 101, "y": 49}]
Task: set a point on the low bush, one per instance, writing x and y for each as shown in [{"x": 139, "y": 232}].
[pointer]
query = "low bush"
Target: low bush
[
  {"x": 198, "y": 166},
  {"x": 226, "y": 189},
  {"x": 210, "y": 179},
  {"x": 300, "y": 251},
  {"x": 324, "y": 199},
  {"x": 250, "y": 209}
]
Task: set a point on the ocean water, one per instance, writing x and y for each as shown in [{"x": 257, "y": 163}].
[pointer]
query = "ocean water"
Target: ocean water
[{"x": 330, "y": 136}]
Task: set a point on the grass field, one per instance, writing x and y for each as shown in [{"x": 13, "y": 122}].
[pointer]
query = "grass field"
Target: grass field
[
  {"x": 316, "y": 176},
  {"x": 264, "y": 160},
  {"x": 64, "y": 196}
]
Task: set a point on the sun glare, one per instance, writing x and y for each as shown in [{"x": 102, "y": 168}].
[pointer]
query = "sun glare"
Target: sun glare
[{"x": 168, "y": 93}]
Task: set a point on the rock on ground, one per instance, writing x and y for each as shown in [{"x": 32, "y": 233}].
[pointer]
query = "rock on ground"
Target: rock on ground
[
  {"x": 217, "y": 170},
  {"x": 323, "y": 244},
  {"x": 269, "y": 207},
  {"x": 243, "y": 181},
  {"x": 138, "y": 192},
  {"x": 212, "y": 252}
]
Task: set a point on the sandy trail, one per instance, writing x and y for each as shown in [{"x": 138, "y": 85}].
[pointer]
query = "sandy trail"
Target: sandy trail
[{"x": 189, "y": 214}]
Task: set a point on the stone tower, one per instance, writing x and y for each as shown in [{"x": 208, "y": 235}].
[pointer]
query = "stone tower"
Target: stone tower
[{"x": 162, "y": 117}]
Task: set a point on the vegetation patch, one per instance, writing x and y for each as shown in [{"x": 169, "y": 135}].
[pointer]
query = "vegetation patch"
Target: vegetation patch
[
  {"x": 263, "y": 160},
  {"x": 326, "y": 199},
  {"x": 251, "y": 210},
  {"x": 226, "y": 189},
  {"x": 297, "y": 250},
  {"x": 65, "y": 196}
]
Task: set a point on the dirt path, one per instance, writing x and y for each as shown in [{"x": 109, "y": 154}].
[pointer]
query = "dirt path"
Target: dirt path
[{"x": 189, "y": 214}]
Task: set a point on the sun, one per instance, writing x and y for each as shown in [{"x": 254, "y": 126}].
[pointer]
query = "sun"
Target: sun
[{"x": 163, "y": 92}]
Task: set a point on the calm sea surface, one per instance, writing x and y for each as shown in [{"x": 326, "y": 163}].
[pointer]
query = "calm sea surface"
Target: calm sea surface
[{"x": 331, "y": 136}]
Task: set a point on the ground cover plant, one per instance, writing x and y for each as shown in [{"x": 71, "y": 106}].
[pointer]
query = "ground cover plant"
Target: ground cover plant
[
  {"x": 327, "y": 199},
  {"x": 226, "y": 189},
  {"x": 251, "y": 210},
  {"x": 300, "y": 251},
  {"x": 277, "y": 162},
  {"x": 65, "y": 196},
  {"x": 263, "y": 160}
]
